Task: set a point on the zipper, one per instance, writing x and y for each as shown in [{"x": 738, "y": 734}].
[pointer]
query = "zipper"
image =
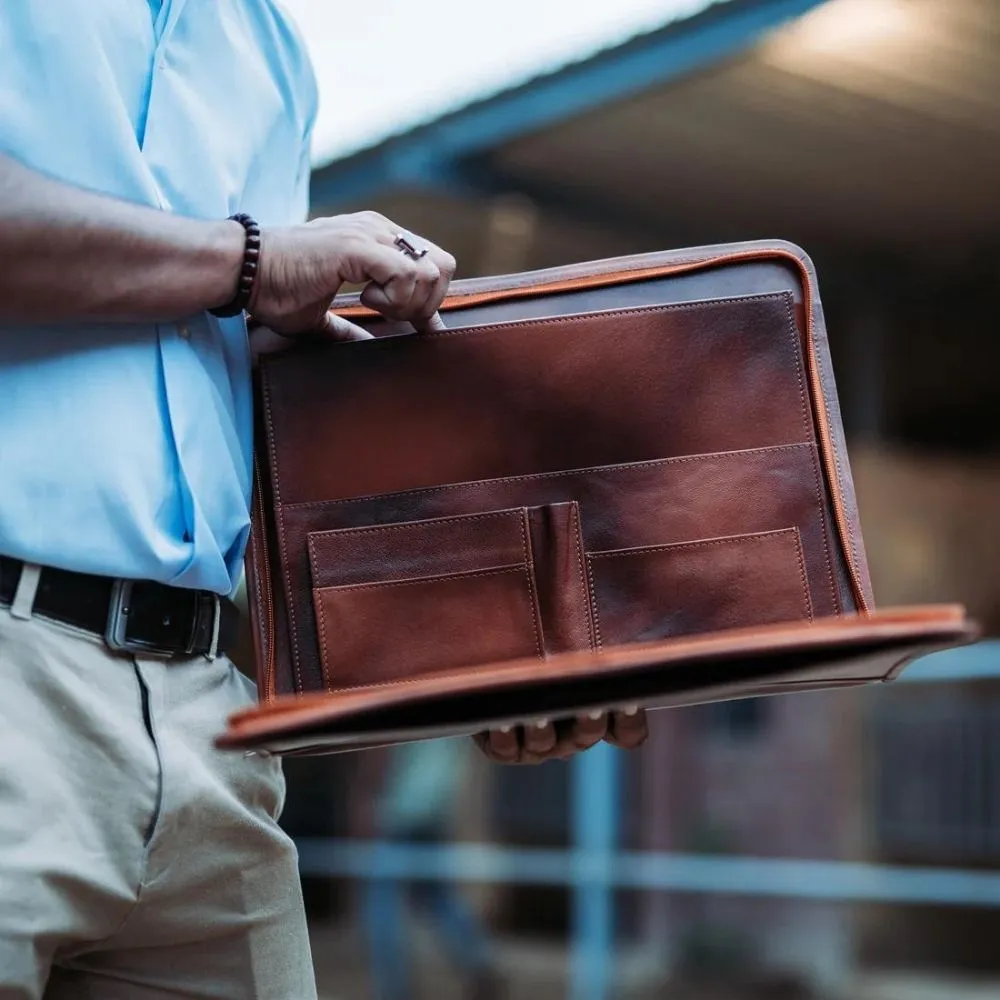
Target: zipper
[
  {"x": 827, "y": 452},
  {"x": 262, "y": 583}
]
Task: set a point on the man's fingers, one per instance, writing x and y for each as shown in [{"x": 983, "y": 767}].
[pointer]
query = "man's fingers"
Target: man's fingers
[
  {"x": 433, "y": 324},
  {"x": 539, "y": 739},
  {"x": 337, "y": 328},
  {"x": 580, "y": 733},
  {"x": 441, "y": 270},
  {"x": 528, "y": 744},
  {"x": 396, "y": 297},
  {"x": 413, "y": 290},
  {"x": 628, "y": 729},
  {"x": 501, "y": 745},
  {"x": 406, "y": 282},
  {"x": 381, "y": 266},
  {"x": 401, "y": 287},
  {"x": 430, "y": 291},
  {"x": 589, "y": 730},
  {"x": 387, "y": 232}
]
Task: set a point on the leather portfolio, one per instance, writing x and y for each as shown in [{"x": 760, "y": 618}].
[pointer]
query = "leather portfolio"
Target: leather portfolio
[{"x": 606, "y": 484}]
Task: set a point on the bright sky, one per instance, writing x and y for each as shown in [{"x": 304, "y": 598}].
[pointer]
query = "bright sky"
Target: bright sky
[{"x": 386, "y": 65}]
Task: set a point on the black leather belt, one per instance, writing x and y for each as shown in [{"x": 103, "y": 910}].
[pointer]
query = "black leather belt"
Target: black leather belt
[{"x": 131, "y": 616}]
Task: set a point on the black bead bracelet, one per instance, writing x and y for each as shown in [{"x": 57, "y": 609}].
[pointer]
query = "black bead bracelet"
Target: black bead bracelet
[{"x": 248, "y": 271}]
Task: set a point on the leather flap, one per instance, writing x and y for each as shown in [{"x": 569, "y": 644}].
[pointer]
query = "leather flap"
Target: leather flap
[{"x": 837, "y": 652}]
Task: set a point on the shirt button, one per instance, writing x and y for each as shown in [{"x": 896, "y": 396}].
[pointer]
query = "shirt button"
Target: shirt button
[{"x": 184, "y": 331}]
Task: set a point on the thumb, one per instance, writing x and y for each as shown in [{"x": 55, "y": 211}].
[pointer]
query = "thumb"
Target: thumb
[{"x": 336, "y": 327}]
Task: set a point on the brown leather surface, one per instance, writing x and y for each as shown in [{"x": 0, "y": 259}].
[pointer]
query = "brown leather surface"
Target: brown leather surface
[{"x": 631, "y": 451}]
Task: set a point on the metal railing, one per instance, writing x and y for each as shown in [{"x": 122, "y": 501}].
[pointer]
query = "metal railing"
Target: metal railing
[
  {"x": 936, "y": 786},
  {"x": 593, "y": 868}
]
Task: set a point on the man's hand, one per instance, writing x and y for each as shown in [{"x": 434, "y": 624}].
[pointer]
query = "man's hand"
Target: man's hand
[
  {"x": 113, "y": 261},
  {"x": 303, "y": 267},
  {"x": 543, "y": 740}
]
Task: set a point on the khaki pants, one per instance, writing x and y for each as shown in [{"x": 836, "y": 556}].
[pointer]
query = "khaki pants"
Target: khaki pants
[{"x": 137, "y": 862}]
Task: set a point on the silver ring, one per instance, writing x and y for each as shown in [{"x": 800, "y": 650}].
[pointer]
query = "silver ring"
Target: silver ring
[{"x": 406, "y": 243}]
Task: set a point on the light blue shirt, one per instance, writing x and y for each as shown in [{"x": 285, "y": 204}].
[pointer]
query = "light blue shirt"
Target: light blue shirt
[{"x": 125, "y": 450}]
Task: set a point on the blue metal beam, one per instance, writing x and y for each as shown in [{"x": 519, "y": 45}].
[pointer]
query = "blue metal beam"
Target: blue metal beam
[
  {"x": 596, "y": 802},
  {"x": 978, "y": 662},
  {"x": 829, "y": 881},
  {"x": 427, "y": 155}
]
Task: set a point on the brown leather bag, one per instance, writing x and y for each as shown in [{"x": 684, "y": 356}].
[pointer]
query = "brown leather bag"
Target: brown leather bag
[{"x": 605, "y": 484}]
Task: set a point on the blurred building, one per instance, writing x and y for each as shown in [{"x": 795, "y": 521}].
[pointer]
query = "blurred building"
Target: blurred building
[{"x": 867, "y": 131}]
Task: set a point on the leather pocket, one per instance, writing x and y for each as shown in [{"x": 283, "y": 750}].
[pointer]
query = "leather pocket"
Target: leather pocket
[
  {"x": 560, "y": 577},
  {"x": 398, "y": 600},
  {"x": 656, "y": 592}
]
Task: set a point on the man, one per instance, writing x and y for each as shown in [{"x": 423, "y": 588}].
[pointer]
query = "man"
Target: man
[{"x": 135, "y": 860}]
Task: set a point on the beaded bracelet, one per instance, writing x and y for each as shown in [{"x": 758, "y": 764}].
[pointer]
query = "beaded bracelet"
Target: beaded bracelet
[{"x": 248, "y": 272}]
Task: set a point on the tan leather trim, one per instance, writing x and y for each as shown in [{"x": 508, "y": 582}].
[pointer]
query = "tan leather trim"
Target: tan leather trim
[
  {"x": 931, "y": 625},
  {"x": 465, "y": 300},
  {"x": 611, "y": 278}
]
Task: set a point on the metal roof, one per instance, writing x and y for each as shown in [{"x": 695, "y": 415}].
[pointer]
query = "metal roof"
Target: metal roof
[
  {"x": 866, "y": 120},
  {"x": 397, "y": 64},
  {"x": 861, "y": 121},
  {"x": 438, "y": 151}
]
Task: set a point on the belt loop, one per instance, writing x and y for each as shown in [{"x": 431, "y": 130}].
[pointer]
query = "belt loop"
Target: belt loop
[
  {"x": 27, "y": 587},
  {"x": 213, "y": 649}
]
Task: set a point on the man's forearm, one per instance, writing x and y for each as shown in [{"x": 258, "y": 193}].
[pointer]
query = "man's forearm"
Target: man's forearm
[{"x": 67, "y": 254}]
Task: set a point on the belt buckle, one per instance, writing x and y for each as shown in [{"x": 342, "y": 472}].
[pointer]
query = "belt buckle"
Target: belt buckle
[{"x": 116, "y": 630}]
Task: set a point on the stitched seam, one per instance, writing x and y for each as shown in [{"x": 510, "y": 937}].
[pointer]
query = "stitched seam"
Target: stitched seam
[
  {"x": 808, "y": 432},
  {"x": 417, "y": 580},
  {"x": 752, "y": 537},
  {"x": 431, "y": 522},
  {"x": 796, "y": 345},
  {"x": 314, "y": 559},
  {"x": 311, "y": 543},
  {"x": 846, "y": 534},
  {"x": 532, "y": 593},
  {"x": 577, "y": 528},
  {"x": 802, "y": 573},
  {"x": 613, "y": 468},
  {"x": 824, "y": 525},
  {"x": 734, "y": 539},
  {"x": 576, "y": 318},
  {"x": 593, "y": 601},
  {"x": 812, "y": 326},
  {"x": 259, "y": 601},
  {"x": 321, "y": 614},
  {"x": 280, "y": 523}
]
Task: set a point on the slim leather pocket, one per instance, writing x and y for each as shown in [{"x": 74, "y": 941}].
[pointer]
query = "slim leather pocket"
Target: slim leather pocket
[
  {"x": 398, "y": 600},
  {"x": 560, "y": 577},
  {"x": 660, "y": 591}
]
